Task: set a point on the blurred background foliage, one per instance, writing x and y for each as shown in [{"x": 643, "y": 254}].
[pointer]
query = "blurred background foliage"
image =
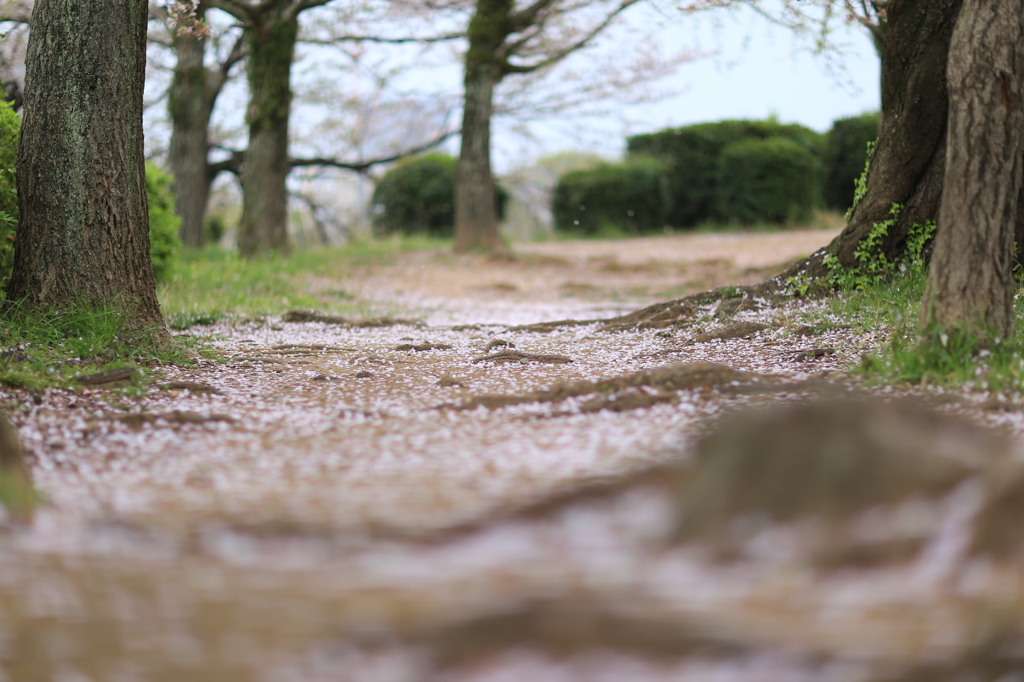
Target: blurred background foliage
[
  {"x": 417, "y": 197},
  {"x": 745, "y": 172}
]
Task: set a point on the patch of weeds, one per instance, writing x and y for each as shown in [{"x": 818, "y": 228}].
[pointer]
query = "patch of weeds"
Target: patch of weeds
[
  {"x": 40, "y": 348},
  {"x": 872, "y": 265},
  {"x": 211, "y": 282},
  {"x": 942, "y": 356},
  {"x": 860, "y": 185},
  {"x": 731, "y": 291},
  {"x": 938, "y": 356},
  {"x": 186, "y": 319}
]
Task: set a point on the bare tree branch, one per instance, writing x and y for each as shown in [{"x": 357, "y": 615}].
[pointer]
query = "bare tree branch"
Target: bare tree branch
[
  {"x": 233, "y": 164},
  {"x": 527, "y": 16},
  {"x": 297, "y": 6},
  {"x": 363, "y": 166},
  {"x": 561, "y": 54},
  {"x": 344, "y": 38},
  {"x": 243, "y": 11},
  {"x": 220, "y": 75}
]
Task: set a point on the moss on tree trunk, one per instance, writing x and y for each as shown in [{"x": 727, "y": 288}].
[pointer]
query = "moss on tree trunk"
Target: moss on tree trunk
[
  {"x": 909, "y": 160},
  {"x": 265, "y": 204},
  {"x": 190, "y": 105}
]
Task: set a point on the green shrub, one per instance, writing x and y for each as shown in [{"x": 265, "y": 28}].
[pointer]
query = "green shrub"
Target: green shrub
[
  {"x": 846, "y": 145},
  {"x": 417, "y": 196},
  {"x": 631, "y": 197},
  {"x": 164, "y": 241},
  {"x": 10, "y": 125},
  {"x": 692, "y": 153},
  {"x": 215, "y": 227},
  {"x": 770, "y": 180}
]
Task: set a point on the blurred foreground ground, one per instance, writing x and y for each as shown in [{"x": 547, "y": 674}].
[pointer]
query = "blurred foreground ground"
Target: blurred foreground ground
[{"x": 455, "y": 497}]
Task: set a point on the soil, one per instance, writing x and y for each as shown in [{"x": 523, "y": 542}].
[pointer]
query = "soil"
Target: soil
[
  {"x": 451, "y": 493},
  {"x": 598, "y": 278}
]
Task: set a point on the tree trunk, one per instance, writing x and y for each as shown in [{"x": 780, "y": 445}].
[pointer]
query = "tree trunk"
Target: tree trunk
[
  {"x": 264, "y": 226},
  {"x": 908, "y": 163},
  {"x": 970, "y": 281},
  {"x": 83, "y": 232},
  {"x": 476, "y": 216},
  {"x": 190, "y": 106}
]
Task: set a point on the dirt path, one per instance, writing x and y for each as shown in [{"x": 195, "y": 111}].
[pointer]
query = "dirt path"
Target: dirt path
[
  {"x": 277, "y": 516},
  {"x": 599, "y": 278}
]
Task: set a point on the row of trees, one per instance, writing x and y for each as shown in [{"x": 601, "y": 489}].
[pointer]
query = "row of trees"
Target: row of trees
[
  {"x": 82, "y": 230},
  {"x": 506, "y": 40},
  {"x": 503, "y": 39}
]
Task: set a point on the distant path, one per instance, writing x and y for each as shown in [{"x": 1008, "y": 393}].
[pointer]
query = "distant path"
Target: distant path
[
  {"x": 741, "y": 249},
  {"x": 578, "y": 278}
]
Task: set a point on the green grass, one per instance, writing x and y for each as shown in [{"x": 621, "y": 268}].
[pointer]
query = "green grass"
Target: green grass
[
  {"x": 942, "y": 357},
  {"x": 210, "y": 284},
  {"x": 41, "y": 349},
  {"x": 49, "y": 348}
]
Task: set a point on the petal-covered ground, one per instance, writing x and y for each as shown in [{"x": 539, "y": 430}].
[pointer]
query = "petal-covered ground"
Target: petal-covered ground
[{"x": 459, "y": 498}]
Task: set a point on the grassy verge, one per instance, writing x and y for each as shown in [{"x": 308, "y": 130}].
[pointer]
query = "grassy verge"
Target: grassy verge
[
  {"x": 945, "y": 357},
  {"x": 41, "y": 349},
  {"x": 211, "y": 284},
  {"x": 49, "y": 348}
]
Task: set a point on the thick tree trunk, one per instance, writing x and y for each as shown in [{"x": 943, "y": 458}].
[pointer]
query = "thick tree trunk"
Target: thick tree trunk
[
  {"x": 476, "y": 216},
  {"x": 908, "y": 164},
  {"x": 264, "y": 226},
  {"x": 83, "y": 232},
  {"x": 190, "y": 106},
  {"x": 970, "y": 281}
]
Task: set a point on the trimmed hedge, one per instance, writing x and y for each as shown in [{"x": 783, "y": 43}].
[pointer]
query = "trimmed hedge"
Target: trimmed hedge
[
  {"x": 632, "y": 196},
  {"x": 693, "y": 155},
  {"x": 770, "y": 180},
  {"x": 417, "y": 196},
  {"x": 846, "y": 149}
]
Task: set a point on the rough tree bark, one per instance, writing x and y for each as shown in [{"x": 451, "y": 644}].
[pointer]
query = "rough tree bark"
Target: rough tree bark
[
  {"x": 476, "y": 216},
  {"x": 192, "y": 97},
  {"x": 970, "y": 280},
  {"x": 504, "y": 41},
  {"x": 907, "y": 167},
  {"x": 264, "y": 226},
  {"x": 83, "y": 231},
  {"x": 271, "y": 28},
  {"x": 190, "y": 109}
]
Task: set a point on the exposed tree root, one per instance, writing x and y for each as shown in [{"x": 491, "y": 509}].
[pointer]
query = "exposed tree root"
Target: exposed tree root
[{"x": 619, "y": 393}]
